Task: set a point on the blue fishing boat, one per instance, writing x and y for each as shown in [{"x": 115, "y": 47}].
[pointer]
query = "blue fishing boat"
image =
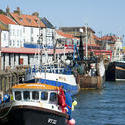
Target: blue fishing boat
[{"x": 53, "y": 75}]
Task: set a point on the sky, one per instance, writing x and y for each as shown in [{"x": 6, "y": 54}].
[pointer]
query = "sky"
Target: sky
[{"x": 103, "y": 16}]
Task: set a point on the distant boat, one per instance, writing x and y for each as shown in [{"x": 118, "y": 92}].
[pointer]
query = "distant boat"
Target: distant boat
[
  {"x": 36, "y": 104},
  {"x": 116, "y": 71}
]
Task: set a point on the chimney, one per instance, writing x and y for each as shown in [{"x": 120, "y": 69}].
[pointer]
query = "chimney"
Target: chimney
[
  {"x": 36, "y": 14},
  {"x": 7, "y": 10},
  {"x": 17, "y": 11}
]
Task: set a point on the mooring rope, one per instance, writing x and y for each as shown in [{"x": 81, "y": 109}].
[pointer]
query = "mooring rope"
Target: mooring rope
[{"x": 6, "y": 112}]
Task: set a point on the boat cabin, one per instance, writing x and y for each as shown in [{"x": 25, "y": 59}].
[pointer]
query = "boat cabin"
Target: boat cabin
[{"x": 35, "y": 92}]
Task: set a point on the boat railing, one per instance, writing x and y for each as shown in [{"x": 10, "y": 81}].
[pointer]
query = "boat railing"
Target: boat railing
[{"x": 56, "y": 70}]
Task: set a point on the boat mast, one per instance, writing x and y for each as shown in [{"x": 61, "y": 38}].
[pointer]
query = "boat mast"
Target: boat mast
[
  {"x": 86, "y": 48},
  {"x": 81, "y": 51}
]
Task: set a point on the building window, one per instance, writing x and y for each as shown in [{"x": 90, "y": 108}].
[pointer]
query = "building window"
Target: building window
[
  {"x": 13, "y": 42},
  {"x": 10, "y": 42},
  {"x": 4, "y": 37},
  {"x": 31, "y": 30},
  {"x": 17, "y": 32},
  {"x": 10, "y": 32},
  {"x": 9, "y": 60},
  {"x": 13, "y": 32},
  {"x": 24, "y": 40},
  {"x": 17, "y": 42},
  {"x": 20, "y": 32},
  {"x": 21, "y": 61},
  {"x": 28, "y": 60},
  {"x": 31, "y": 39},
  {"x": 14, "y": 58},
  {"x": 24, "y": 30}
]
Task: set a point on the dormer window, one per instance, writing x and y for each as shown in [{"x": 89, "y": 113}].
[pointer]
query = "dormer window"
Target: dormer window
[
  {"x": 21, "y": 19},
  {"x": 29, "y": 20},
  {"x": 36, "y": 20}
]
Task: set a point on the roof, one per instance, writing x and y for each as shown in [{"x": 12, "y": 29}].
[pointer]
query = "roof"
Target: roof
[
  {"x": 6, "y": 20},
  {"x": 66, "y": 35},
  {"x": 19, "y": 50},
  {"x": 76, "y": 29},
  {"x": 108, "y": 38},
  {"x": 2, "y": 27},
  {"x": 47, "y": 23},
  {"x": 37, "y": 86},
  {"x": 27, "y": 20},
  {"x": 33, "y": 51},
  {"x": 96, "y": 38}
]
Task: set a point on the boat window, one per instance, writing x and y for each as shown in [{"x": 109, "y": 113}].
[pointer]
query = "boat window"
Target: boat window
[
  {"x": 35, "y": 95},
  {"x": 44, "y": 95},
  {"x": 18, "y": 95},
  {"x": 26, "y": 95},
  {"x": 53, "y": 97}
]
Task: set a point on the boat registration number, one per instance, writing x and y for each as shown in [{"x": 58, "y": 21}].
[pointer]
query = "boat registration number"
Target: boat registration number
[
  {"x": 52, "y": 121},
  {"x": 62, "y": 78}
]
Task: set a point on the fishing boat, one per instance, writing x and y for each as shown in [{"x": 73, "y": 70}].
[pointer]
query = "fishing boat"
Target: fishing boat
[
  {"x": 116, "y": 71},
  {"x": 36, "y": 104},
  {"x": 89, "y": 70},
  {"x": 90, "y": 74},
  {"x": 53, "y": 75},
  {"x": 54, "y": 72}
]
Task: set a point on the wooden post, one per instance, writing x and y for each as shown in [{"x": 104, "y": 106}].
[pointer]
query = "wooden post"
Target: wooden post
[
  {"x": 4, "y": 83},
  {"x": 0, "y": 83},
  {"x": 7, "y": 83},
  {"x": 14, "y": 80},
  {"x": 0, "y": 50},
  {"x": 99, "y": 82}
]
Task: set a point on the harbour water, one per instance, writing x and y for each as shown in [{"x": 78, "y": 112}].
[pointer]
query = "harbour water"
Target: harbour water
[{"x": 101, "y": 107}]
